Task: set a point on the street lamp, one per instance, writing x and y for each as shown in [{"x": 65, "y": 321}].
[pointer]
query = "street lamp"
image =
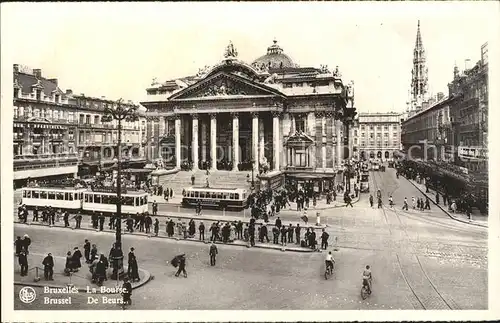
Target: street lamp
[
  {"x": 120, "y": 113},
  {"x": 253, "y": 179}
]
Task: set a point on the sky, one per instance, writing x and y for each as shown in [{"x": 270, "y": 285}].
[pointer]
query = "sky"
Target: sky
[{"x": 115, "y": 50}]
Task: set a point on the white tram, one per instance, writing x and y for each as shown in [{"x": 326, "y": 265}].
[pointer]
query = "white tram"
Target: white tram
[
  {"x": 132, "y": 202},
  {"x": 228, "y": 198},
  {"x": 82, "y": 199},
  {"x": 58, "y": 198}
]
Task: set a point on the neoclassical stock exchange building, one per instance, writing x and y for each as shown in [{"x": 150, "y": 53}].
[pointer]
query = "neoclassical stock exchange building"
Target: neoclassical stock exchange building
[{"x": 272, "y": 116}]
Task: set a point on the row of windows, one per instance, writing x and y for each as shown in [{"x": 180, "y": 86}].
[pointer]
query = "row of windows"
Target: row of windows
[
  {"x": 213, "y": 195},
  {"x": 110, "y": 199},
  {"x": 59, "y": 196},
  {"x": 38, "y": 94},
  {"x": 51, "y": 114},
  {"x": 302, "y": 84},
  {"x": 386, "y": 127}
]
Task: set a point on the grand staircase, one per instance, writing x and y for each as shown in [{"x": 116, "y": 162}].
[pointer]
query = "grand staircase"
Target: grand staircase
[{"x": 220, "y": 179}]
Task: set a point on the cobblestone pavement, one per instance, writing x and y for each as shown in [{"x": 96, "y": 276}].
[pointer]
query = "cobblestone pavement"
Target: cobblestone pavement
[{"x": 419, "y": 259}]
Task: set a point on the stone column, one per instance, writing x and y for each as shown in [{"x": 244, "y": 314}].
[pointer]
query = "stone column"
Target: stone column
[
  {"x": 292, "y": 124},
  {"x": 236, "y": 141},
  {"x": 213, "y": 140},
  {"x": 318, "y": 125},
  {"x": 255, "y": 141},
  {"x": 329, "y": 141},
  {"x": 194, "y": 148},
  {"x": 261, "y": 139},
  {"x": 203, "y": 140},
  {"x": 178, "y": 141},
  {"x": 338, "y": 126},
  {"x": 276, "y": 140}
]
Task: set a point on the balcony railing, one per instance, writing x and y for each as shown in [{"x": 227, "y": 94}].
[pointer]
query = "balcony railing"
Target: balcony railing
[
  {"x": 39, "y": 157},
  {"x": 50, "y": 164}
]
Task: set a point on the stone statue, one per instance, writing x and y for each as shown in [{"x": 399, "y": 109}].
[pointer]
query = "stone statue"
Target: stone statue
[
  {"x": 324, "y": 69},
  {"x": 230, "y": 51},
  {"x": 337, "y": 72},
  {"x": 155, "y": 81}
]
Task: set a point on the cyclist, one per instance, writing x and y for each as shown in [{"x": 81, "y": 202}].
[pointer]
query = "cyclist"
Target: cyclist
[
  {"x": 367, "y": 278},
  {"x": 329, "y": 261}
]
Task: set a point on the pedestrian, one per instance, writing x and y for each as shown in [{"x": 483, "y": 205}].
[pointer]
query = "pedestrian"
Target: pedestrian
[
  {"x": 201, "y": 230},
  {"x": 213, "y": 253},
  {"x": 93, "y": 253},
  {"x": 283, "y": 235},
  {"x": 147, "y": 223},
  {"x": 413, "y": 202},
  {"x": 127, "y": 292},
  {"x": 69, "y": 266},
  {"x": 297, "y": 234},
  {"x": 405, "y": 204},
  {"x": 77, "y": 255},
  {"x": 290, "y": 233},
  {"x": 155, "y": 208},
  {"x": 19, "y": 245},
  {"x": 348, "y": 200},
  {"x": 276, "y": 233},
  {"x": 26, "y": 242},
  {"x": 35, "y": 214},
  {"x": 133, "y": 268},
  {"x": 78, "y": 220},
  {"x": 101, "y": 222},
  {"x": 437, "y": 198},
  {"x": 324, "y": 240},
  {"x": 181, "y": 260},
  {"x": 23, "y": 262},
  {"x": 86, "y": 251},
  {"x": 48, "y": 267},
  {"x": 66, "y": 219},
  {"x": 371, "y": 200},
  {"x": 156, "y": 227}
]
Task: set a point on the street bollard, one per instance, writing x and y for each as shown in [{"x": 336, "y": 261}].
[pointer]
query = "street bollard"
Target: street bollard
[{"x": 37, "y": 277}]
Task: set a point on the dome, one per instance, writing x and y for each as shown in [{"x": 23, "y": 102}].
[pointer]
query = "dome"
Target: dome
[{"x": 274, "y": 58}]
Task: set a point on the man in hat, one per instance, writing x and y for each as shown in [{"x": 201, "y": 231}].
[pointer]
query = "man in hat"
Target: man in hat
[
  {"x": 127, "y": 291},
  {"x": 77, "y": 255},
  {"x": 48, "y": 267},
  {"x": 182, "y": 265},
  {"x": 213, "y": 253},
  {"x": 23, "y": 262},
  {"x": 86, "y": 251}
]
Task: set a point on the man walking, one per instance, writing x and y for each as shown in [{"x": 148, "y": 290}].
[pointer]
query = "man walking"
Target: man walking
[
  {"x": 86, "y": 251},
  {"x": 297, "y": 234},
  {"x": 23, "y": 262},
  {"x": 181, "y": 260},
  {"x": 324, "y": 240},
  {"x": 213, "y": 253},
  {"x": 155, "y": 208},
  {"x": 78, "y": 219},
  {"x": 156, "y": 227},
  {"x": 201, "y": 230},
  {"x": 48, "y": 267}
]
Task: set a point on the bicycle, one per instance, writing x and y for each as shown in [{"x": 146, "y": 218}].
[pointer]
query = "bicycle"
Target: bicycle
[
  {"x": 364, "y": 291},
  {"x": 328, "y": 272}
]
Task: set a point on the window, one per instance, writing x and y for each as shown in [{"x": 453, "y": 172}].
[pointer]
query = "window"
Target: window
[
  {"x": 58, "y": 98},
  {"x": 36, "y": 113},
  {"x": 371, "y": 135},
  {"x": 70, "y": 116},
  {"x": 379, "y": 135},
  {"x": 56, "y": 115},
  {"x": 378, "y": 127},
  {"x": 355, "y": 133},
  {"x": 287, "y": 85},
  {"x": 96, "y": 119},
  {"x": 82, "y": 118},
  {"x": 386, "y": 135},
  {"x": 87, "y": 119},
  {"x": 363, "y": 127},
  {"x": 300, "y": 124},
  {"x": 38, "y": 95},
  {"x": 371, "y": 127},
  {"x": 299, "y": 84},
  {"x": 386, "y": 128},
  {"x": 71, "y": 135},
  {"x": 16, "y": 113},
  {"x": 395, "y": 127}
]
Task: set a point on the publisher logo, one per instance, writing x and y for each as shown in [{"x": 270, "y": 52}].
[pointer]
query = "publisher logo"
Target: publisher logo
[{"x": 27, "y": 295}]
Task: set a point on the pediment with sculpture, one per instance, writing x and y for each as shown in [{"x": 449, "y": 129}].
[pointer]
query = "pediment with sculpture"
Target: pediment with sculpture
[{"x": 224, "y": 85}]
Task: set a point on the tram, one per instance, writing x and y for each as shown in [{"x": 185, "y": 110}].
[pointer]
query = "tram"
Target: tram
[
  {"x": 364, "y": 185},
  {"x": 133, "y": 202},
  {"x": 226, "y": 198},
  {"x": 58, "y": 198},
  {"x": 83, "y": 199}
]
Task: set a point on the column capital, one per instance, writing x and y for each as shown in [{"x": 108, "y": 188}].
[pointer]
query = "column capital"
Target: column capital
[
  {"x": 319, "y": 114},
  {"x": 235, "y": 114},
  {"x": 276, "y": 114},
  {"x": 177, "y": 117},
  {"x": 195, "y": 116},
  {"x": 213, "y": 116},
  {"x": 329, "y": 114},
  {"x": 254, "y": 114}
]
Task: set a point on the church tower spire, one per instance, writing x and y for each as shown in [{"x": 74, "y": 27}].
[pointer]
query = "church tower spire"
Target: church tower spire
[{"x": 419, "y": 85}]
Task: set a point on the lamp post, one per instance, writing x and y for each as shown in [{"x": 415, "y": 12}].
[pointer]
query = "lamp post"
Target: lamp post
[
  {"x": 119, "y": 113},
  {"x": 253, "y": 178}
]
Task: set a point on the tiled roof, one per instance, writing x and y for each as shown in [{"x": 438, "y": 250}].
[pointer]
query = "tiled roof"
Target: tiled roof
[{"x": 26, "y": 81}]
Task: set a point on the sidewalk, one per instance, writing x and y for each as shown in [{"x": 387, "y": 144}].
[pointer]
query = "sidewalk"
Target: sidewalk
[
  {"x": 477, "y": 218},
  {"x": 86, "y": 225},
  {"x": 80, "y": 280}
]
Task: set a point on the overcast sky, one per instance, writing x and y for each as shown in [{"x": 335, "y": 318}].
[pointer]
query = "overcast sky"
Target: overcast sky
[{"x": 115, "y": 50}]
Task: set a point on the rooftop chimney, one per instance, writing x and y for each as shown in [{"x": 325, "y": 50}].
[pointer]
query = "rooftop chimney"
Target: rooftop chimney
[
  {"x": 54, "y": 81},
  {"x": 37, "y": 72},
  {"x": 16, "y": 68},
  {"x": 69, "y": 92}
]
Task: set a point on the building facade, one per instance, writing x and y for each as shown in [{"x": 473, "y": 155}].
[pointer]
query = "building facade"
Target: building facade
[
  {"x": 377, "y": 135},
  {"x": 469, "y": 114},
  {"x": 455, "y": 128},
  {"x": 270, "y": 114},
  {"x": 56, "y": 133}
]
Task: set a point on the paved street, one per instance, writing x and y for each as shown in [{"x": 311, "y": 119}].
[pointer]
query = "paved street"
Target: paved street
[{"x": 419, "y": 260}]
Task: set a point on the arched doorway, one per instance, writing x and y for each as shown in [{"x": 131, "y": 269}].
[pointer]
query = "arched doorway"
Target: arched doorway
[
  {"x": 362, "y": 155},
  {"x": 379, "y": 154},
  {"x": 386, "y": 155},
  {"x": 372, "y": 154}
]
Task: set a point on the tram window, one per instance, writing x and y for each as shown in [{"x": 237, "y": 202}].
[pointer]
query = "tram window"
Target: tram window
[
  {"x": 28, "y": 194},
  {"x": 86, "y": 198},
  {"x": 43, "y": 195},
  {"x": 219, "y": 195},
  {"x": 35, "y": 194},
  {"x": 196, "y": 194},
  {"x": 129, "y": 201},
  {"x": 237, "y": 196},
  {"x": 52, "y": 196},
  {"x": 97, "y": 198},
  {"x": 231, "y": 196},
  {"x": 214, "y": 195},
  {"x": 224, "y": 196},
  {"x": 80, "y": 196},
  {"x": 202, "y": 194},
  {"x": 136, "y": 201},
  {"x": 24, "y": 193},
  {"x": 60, "y": 196}
]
